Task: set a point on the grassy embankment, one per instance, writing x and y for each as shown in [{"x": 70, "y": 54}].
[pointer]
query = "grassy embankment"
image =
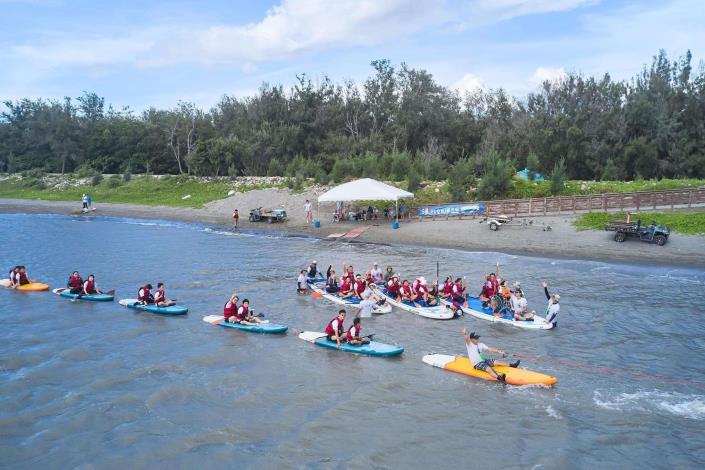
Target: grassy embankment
[
  {"x": 146, "y": 190},
  {"x": 690, "y": 223}
]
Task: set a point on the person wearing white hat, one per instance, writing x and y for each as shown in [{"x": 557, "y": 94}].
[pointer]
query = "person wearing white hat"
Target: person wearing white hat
[
  {"x": 377, "y": 274},
  {"x": 553, "y": 305},
  {"x": 313, "y": 272}
]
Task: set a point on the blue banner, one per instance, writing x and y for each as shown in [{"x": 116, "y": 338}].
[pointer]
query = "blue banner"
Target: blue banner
[{"x": 451, "y": 209}]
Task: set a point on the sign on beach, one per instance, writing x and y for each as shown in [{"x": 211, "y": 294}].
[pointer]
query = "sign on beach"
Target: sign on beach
[{"x": 451, "y": 209}]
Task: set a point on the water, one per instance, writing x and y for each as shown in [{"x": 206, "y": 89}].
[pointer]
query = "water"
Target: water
[{"x": 97, "y": 385}]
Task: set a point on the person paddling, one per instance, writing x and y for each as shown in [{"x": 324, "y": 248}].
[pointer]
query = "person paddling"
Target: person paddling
[
  {"x": 353, "y": 335},
  {"x": 144, "y": 295},
  {"x": 230, "y": 309},
  {"x": 335, "y": 328},
  {"x": 160, "y": 297},
  {"x": 553, "y": 305},
  {"x": 479, "y": 362}
]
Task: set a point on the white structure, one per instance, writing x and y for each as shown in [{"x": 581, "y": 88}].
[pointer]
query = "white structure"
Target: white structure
[{"x": 365, "y": 189}]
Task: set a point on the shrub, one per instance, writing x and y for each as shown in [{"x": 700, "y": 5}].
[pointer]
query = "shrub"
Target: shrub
[
  {"x": 113, "y": 182},
  {"x": 533, "y": 165},
  {"x": 610, "y": 172},
  {"x": 96, "y": 179},
  {"x": 414, "y": 180},
  {"x": 497, "y": 178},
  {"x": 322, "y": 177},
  {"x": 127, "y": 176},
  {"x": 558, "y": 177},
  {"x": 459, "y": 180},
  {"x": 276, "y": 168}
]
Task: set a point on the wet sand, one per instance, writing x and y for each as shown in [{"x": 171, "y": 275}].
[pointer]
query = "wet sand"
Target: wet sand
[{"x": 562, "y": 241}]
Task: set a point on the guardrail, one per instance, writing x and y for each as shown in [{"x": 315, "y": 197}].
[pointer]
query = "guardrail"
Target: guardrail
[{"x": 639, "y": 200}]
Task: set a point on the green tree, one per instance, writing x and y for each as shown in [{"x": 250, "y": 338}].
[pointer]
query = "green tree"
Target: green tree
[
  {"x": 497, "y": 177},
  {"x": 558, "y": 177}
]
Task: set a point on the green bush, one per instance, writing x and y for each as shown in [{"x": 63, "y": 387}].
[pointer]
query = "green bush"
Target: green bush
[
  {"x": 276, "y": 168},
  {"x": 113, "y": 182},
  {"x": 96, "y": 179},
  {"x": 497, "y": 178},
  {"x": 414, "y": 180},
  {"x": 127, "y": 176},
  {"x": 558, "y": 177},
  {"x": 322, "y": 177},
  {"x": 459, "y": 180}
]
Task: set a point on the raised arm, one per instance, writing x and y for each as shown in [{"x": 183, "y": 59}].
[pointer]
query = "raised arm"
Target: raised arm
[{"x": 545, "y": 290}]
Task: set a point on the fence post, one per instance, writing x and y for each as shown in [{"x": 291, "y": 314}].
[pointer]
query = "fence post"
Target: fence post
[
  {"x": 558, "y": 198},
  {"x": 544, "y": 205},
  {"x": 653, "y": 199},
  {"x": 690, "y": 198},
  {"x": 637, "y": 202},
  {"x": 574, "y": 205},
  {"x": 670, "y": 196},
  {"x": 530, "y": 199},
  {"x": 604, "y": 202}
]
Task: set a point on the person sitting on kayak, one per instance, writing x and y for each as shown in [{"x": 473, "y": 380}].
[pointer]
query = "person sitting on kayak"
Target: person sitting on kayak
[
  {"x": 479, "y": 362},
  {"x": 487, "y": 293},
  {"x": 406, "y": 293},
  {"x": 75, "y": 283},
  {"x": 302, "y": 283},
  {"x": 346, "y": 288},
  {"x": 230, "y": 309},
  {"x": 312, "y": 271},
  {"x": 90, "y": 287},
  {"x": 348, "y": 273},
  {"x": 21, "y": 277},
  {"x": 520, "y": 307},
  {"x": 246, "y": 317},
  {"x": 160, "y": 297},
  {"x": 389, "y": 274},
  {"x": 501, "y": 302},
  {"x": 553, "y": 305},
  {"x": 446, "y": 291},
  {"x": 332, "y": 282},
  {"x": 353, "y": 335},
  {"x": 358, "y": 286},
  {"x": 377, "y": 274},
  {"x": 458, "y": 292},
  {"x": 335, "y": 328},
  {"x": 422, "y": 293},
  {"x": 13, "y": 276},
  {"x": 144, "y": 295},
  {"x": 393, "y": 286}
]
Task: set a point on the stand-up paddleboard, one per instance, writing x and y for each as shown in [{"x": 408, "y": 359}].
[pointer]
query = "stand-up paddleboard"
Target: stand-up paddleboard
[
  {"x": 320, "y": 289},
  {"x": 476, "y": 310},
  {"x": 264, "y": 327},
  {"x": 373, "y": 348},
  {"x": 173, "y": 310},
  {"x": 438, "y": 312},
  {"x": 514, "y": 376},
  {"x": 63, "y": 292},
  {"x": 31, "y": 287}
]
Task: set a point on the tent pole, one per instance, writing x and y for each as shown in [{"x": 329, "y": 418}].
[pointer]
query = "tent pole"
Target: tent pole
[{"x": 396, "y": 209}]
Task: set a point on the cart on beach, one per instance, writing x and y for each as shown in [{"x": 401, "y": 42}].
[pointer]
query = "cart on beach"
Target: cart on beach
[
  {"x": 268, "y": 215},
  {"x": 652, "y": 233}
]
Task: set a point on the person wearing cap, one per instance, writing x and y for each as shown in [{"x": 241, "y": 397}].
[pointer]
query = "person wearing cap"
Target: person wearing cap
[
  {"x": 553, "y": 305},
  {"x": 476, "y": 348},
  {"x": 521, "y": 308},
  {"x": 377, "y": 274},
  {"x": 312, "y": 271}
]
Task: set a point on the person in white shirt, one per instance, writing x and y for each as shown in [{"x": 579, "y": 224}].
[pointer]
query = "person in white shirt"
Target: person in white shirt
[
  {"x": 377, "y": 274},
  {"x": 520, "y": 307},
  {"x": 308, "y": 211},
  {"x": 302, "y": 283},
  {"x": 479, "y": 362},
  {"x": 553, "y": 305},
  {"x": 366, "y": 306}
]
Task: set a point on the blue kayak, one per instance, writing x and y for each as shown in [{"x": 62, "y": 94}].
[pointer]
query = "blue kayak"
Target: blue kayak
[
  {"x": 373, "y": 348},
  {"x": 270, "y": 328},
  {"x": 173, "y": 310},
  {"x": 94, "y": 297}
]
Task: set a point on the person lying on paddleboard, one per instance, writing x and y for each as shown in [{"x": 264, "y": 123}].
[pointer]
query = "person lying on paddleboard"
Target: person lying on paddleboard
[
  {"x": 520, "y": 307},
  {"x": 332, "y": 282},
  {"x": 335, "y": 328},
  {"x": 377, "y": 274},
  {"x": 476, "y": 348},
  {"x": 245, "y": 316},
  {"x": 230, "y": 309},
  {"x": 160, "y": 298},
  {"x": 144, "y": 295},
  {"x": 302, "y": 283},
  {"x": 353, "y": 335},
  {"x": 553, "y": 305}
]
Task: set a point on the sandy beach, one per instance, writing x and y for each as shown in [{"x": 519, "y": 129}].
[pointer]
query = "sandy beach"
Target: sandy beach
[{"x": 562, "y": 241}]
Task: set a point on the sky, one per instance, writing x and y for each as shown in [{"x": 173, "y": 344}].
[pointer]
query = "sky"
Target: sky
[{"x": 141, "y": 54}]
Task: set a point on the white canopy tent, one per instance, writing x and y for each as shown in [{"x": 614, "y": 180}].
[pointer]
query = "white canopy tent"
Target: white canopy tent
[{"x": 365, "y": 189}]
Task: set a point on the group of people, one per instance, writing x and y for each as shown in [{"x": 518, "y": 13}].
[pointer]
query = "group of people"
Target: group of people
[
  {"x": 242, "y": 314},
  {"x": 335, "y": 331},
  {"x": 18, "y": 277},
  {"x": 158, "y": 298},
  {"x": 76, "y": 285}
]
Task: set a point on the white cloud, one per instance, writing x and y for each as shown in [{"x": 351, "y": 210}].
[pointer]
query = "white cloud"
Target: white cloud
[
  {"x": 468, "y": 84},
  {"x": 546, "y": 74}
]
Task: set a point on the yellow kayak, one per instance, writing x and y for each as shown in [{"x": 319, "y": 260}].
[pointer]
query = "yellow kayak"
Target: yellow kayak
[
  {"x": 514, "y": 376},
  {"x": 31, "y": 287}
]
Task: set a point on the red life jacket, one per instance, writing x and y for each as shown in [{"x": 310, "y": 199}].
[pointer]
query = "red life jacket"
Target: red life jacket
[
  {"x": 143, "y": 295},
  {"x": 346, "y": 285},
  {"x": 359, "y": 287},
  {"x": 421, "y": 290},
  {"x": 415, "y": 285},
  {"x": 491, "y": 288},
  {"x": 89, "y": 287},
  {"x": 495, "y": 285},
  {"x": 329, "y": 331},
  {"x": 350, "y": 276},
  {"x": 458, "y": 288},
  {"x": 159, "y": 296},
  {"x": 229, "y": 311},
  {"x": 245, "y": 312},
  {"x": 405, "y": 290},
  {"x": 75, "y": 281},
  {"x": 22, "y": 278},
  {"x": 353, "y": 332},
  {"x": 448, "y": 288},
  {"x": 13, "y": 271},
  {"x": 393, "y": 287}
]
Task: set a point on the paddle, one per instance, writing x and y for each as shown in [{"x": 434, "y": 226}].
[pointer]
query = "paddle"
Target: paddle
[{"x": 316, "y": 295}]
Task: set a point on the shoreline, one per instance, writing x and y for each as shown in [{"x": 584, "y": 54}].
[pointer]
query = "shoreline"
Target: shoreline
[{"x": 563, "y": 241}]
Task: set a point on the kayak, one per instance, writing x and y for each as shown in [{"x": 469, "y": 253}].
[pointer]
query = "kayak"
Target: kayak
[
  {"x": 173, "y": 310},
  {"x": 438, "y": 312},
  {"x": 31, "y": 287},
  {"x": 476, "y": 310},
  {"x": 514, "y": 376},
  {"x": 350, "y": 301},
  {"x": 265, "y": 327},
  {"x": 373, "y": 348},
  {"x": 94, "y": 297}
]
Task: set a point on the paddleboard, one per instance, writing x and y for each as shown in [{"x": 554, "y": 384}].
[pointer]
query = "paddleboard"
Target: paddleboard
[
  {"x": 438, "y": 312},
  {"x": 476, "y": 310},
  {"x": 94, "y": 297},
  {"x": 514, "y": 376},
  {"x": 373, "y": 348},
  {"x": 350, "y": 301},
  {"x": 31, "y": 287},
  {"x": 265, "y": 327},
  {"x": 173, "y": 310}
]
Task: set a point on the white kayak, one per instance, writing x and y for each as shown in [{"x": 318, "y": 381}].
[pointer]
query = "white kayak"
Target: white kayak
[
  {"x": 438, "y": 312},
  {"x": 475, "y": 309},
  {"x": 350, "y": 301}
]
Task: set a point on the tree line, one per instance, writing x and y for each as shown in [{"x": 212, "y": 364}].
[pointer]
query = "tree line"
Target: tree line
[{"x": 399, "y": 124}]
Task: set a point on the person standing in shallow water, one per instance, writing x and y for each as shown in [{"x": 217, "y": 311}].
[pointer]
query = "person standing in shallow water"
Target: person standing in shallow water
[
  {"x": 236, "y": 218},
  {"x": 309, "y": 212}
]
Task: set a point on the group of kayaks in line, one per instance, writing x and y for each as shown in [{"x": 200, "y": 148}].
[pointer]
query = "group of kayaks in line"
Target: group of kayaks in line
[{"x": 377, "y": 293}]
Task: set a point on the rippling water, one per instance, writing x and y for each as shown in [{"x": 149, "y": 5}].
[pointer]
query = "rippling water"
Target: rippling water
[{"x": 86, "y": 384}]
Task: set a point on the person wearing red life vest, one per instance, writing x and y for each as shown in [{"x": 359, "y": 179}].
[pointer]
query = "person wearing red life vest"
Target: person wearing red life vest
[
  {"x": 90, "y": 287},
  {"x": 348, "y": 273},
  {"x": 245, "y": 316},
  {"x": 75, "y": 283},
  {"x": 393, "y": 286},
  {"x": 21, "y": 277},
  {"x": 144, "y": 295},
  {"x": 346, "y": 288},
  {"x": 160, "y": 297},
  {"x": 446, "y": 290},
  {"x": 13, "y": 276},
  {"x": 353, "y": 335},
  {"x": 405, "y": 292},
  {"x": 334, "y": 330},
  {"x": 422, "y": 293},
  {"x": 358, "y": 287},
  {"x": 458, "y": 292},
  {"x": 230, "y": 309}
]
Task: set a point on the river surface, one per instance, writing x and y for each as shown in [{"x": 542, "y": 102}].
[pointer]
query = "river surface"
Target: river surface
[{"x": 95, "y": 385}]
